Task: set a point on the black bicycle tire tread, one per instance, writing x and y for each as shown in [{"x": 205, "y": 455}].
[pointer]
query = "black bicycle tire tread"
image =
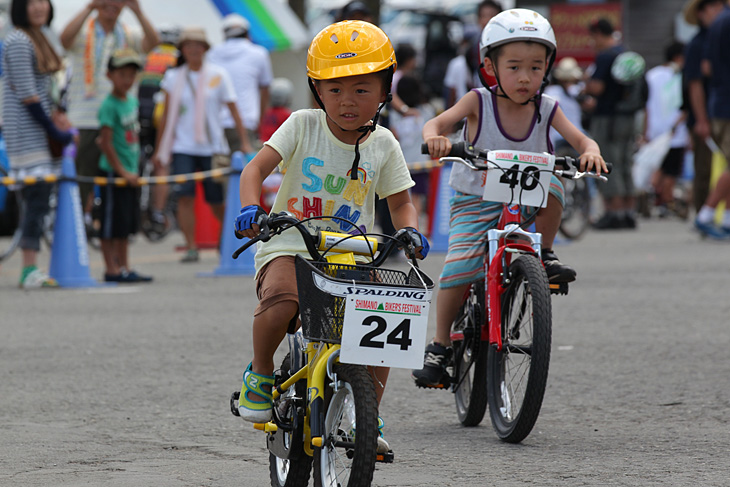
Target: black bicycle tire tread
[
  {"x": 521, "y": 427},
  {"x": 477, "y": 405},
  {"x": 298, "y": 476},
  {"x": 366, "y": 417}
]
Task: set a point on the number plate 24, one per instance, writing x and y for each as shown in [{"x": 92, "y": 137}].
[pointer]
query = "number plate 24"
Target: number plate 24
[
  {"x": 519, "y": 177},
  {"x": 385, "y": 330}
]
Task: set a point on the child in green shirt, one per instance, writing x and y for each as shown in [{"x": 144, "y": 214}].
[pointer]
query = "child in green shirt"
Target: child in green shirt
[{"x": 119, "y": 143}]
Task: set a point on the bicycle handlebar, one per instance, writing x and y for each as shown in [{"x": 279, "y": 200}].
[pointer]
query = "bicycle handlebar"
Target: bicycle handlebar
[
  {"x": 279, "y": 222},
  {"x": 472, "y": 154}
]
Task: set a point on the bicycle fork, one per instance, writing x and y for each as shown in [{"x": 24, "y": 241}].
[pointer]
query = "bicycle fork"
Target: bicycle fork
[{"x": 498, "y": 278}]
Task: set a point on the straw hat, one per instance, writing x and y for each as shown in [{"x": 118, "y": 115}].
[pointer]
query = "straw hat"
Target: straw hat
[
  {"x": 690, "y": 11},
  {"x": 567, "y": 69},
  {"x": 193, "y": 34}
]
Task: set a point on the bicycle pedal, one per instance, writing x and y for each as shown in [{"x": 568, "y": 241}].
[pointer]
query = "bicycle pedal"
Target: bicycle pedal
[
  {"x": 443, "y": 385},
  {"x": 234, "y": 403},
  {"x": 385, "y": 457},
  {"x": 559, "y": 288}
]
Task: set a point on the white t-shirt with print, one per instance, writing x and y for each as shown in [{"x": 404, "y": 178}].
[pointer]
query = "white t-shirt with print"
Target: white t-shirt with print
[
  {"x": 219, "y": 91},
  {"x": 316, "y": 167}
]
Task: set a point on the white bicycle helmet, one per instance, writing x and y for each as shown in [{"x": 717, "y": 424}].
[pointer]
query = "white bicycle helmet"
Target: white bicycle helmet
[{"x": 517, "y": 24}]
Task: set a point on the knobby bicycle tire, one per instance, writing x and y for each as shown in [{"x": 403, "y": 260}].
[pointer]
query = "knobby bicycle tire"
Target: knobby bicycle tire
[
  {"x": 470, "y": 358},
  {"x": 517, "y": 375},
  {"x": 294, "y": 471},
  {"x": 347, "y": 458}
]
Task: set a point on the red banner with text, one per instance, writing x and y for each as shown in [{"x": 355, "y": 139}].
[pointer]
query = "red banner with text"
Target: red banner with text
[{"x": 571, "y": 21}]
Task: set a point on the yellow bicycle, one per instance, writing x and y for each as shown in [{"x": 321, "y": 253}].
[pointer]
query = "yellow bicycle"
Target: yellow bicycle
[{"x": 352, "y": 314}]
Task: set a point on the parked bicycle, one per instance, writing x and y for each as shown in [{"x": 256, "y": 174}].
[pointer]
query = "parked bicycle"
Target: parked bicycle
[
  {"x": 12, "y": 216},
  {"x": 325, "y": 409},
  {"x": 502, "y": 334}
]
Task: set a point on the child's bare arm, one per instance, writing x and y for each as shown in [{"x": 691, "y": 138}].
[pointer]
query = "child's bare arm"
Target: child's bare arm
[
  {"x": 255, "y": 172},
  {"x": 590, "y": 153},
  {"x": 434, "y": 130},
  {"x": 107, "y": 148},
  {"x": 402, "y": 211}
]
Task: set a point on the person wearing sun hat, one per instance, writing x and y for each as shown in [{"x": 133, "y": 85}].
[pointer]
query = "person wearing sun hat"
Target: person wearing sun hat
[
  {"x": 119, "y": 145},
  {"x": 190, "y": 131},
  {"x": 249, "y": 66},
  {"x": 701, "y": 13}
]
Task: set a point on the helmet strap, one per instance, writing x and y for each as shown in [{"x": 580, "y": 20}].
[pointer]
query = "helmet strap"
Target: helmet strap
[
  {"x": 364, "y": 130},
  {"x": 501, "y": 93}
]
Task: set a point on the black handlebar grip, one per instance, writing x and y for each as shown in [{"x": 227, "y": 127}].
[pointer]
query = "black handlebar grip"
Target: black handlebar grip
[
  {"x": 609, "y": 167},
  {"x": 457, "y": 150}
]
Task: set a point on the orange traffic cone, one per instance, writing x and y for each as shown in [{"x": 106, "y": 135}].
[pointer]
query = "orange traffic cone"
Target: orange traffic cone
[{"x": 207, "y": 226}]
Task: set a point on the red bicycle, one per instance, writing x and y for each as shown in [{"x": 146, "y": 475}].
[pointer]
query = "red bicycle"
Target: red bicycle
[{"x": 502, "y": 334}]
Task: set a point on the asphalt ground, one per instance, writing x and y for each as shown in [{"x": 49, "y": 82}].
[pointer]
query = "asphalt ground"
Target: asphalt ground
[{"x": 129, "y": 385}]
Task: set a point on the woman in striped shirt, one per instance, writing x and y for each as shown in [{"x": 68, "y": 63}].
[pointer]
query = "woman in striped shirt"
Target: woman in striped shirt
[{"x": 29, "y": 61}]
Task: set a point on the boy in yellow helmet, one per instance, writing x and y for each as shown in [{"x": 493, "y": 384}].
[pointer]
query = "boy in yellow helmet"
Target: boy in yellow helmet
[{"x": 334, "y": 160}]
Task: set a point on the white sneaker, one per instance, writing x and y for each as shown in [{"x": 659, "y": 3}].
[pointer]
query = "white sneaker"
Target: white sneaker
[
  {"x": 36, "y": 279},
  {"x": 383, "y": 446}
]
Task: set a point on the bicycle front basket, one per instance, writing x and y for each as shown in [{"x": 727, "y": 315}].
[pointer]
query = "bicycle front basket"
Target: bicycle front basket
[{"x": 322, "y": 312}]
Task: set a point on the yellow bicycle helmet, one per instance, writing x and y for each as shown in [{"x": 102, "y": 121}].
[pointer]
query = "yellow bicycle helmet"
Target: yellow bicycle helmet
[{"x": 349, "y": 48}]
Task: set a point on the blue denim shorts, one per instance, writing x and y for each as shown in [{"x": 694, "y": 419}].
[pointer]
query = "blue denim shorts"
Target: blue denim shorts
[{"x": 185, "y": 164}]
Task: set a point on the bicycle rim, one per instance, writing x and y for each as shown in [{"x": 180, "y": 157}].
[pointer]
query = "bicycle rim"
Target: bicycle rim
[
  {"x": 470, "y": 359},
  {"x": 347, "y": 458},
  {"x": 517, "y": 375}
]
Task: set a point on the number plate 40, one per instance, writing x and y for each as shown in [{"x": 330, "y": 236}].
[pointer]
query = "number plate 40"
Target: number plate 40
[
  {"x": 518, "y": 177},
  {"x": 385, "y": 331}
]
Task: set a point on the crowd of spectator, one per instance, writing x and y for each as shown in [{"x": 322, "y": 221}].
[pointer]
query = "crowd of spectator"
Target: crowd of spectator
[{"x": 218, "y": 99}]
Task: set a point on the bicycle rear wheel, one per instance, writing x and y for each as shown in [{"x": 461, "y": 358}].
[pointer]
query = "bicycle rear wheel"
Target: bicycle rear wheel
[
  {"x": 470, "y": 358},
  {"x": 518, "y": 374},
  {"x": 577, "y": 211},
  {"x": 348, "y": 456},
  {"x": 10, "y": 220}
]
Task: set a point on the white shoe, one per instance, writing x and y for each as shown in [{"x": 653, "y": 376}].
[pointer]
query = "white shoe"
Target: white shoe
[
  {"x": 383, "y": 446},
  {"x": 261, "y": 416}
]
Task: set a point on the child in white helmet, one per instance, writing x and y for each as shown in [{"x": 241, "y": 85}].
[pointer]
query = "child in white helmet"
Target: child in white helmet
[{"x": 517, "y": 47}]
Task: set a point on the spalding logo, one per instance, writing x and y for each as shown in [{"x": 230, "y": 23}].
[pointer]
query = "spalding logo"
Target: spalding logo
[{"x": 346, "y": 55}]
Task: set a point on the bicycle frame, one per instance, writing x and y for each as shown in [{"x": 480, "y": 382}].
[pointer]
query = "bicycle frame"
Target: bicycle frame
[
  {"x": 320, "y": 358},
  {"x": 500, "y": 247}
]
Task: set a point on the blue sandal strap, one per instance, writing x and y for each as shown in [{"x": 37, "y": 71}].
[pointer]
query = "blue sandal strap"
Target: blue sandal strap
[{"x": 255, "y": 383}]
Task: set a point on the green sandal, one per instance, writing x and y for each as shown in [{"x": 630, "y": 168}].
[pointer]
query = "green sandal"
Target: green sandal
[{"x": 256, "y": 411}]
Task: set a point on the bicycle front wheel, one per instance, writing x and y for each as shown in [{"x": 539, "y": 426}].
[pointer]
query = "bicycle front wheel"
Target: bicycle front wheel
[
  {"x": 292, "y": 471},
  {"x": 470, "y": 358},
  {"x": 347, "y": 458},
  {"x": 517, "y": 375}
]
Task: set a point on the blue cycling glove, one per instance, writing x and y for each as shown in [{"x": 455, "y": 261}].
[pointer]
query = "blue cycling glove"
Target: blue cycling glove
[
  {"x": 249, "y": 215},
  {"x": 414, "y": 241}
]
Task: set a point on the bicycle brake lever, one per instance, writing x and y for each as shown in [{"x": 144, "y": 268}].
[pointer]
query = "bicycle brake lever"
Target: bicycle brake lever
[{"x": 592, "y": 175}]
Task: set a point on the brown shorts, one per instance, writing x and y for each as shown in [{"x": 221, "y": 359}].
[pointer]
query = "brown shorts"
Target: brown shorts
[{"x": 276, "y": 283}]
